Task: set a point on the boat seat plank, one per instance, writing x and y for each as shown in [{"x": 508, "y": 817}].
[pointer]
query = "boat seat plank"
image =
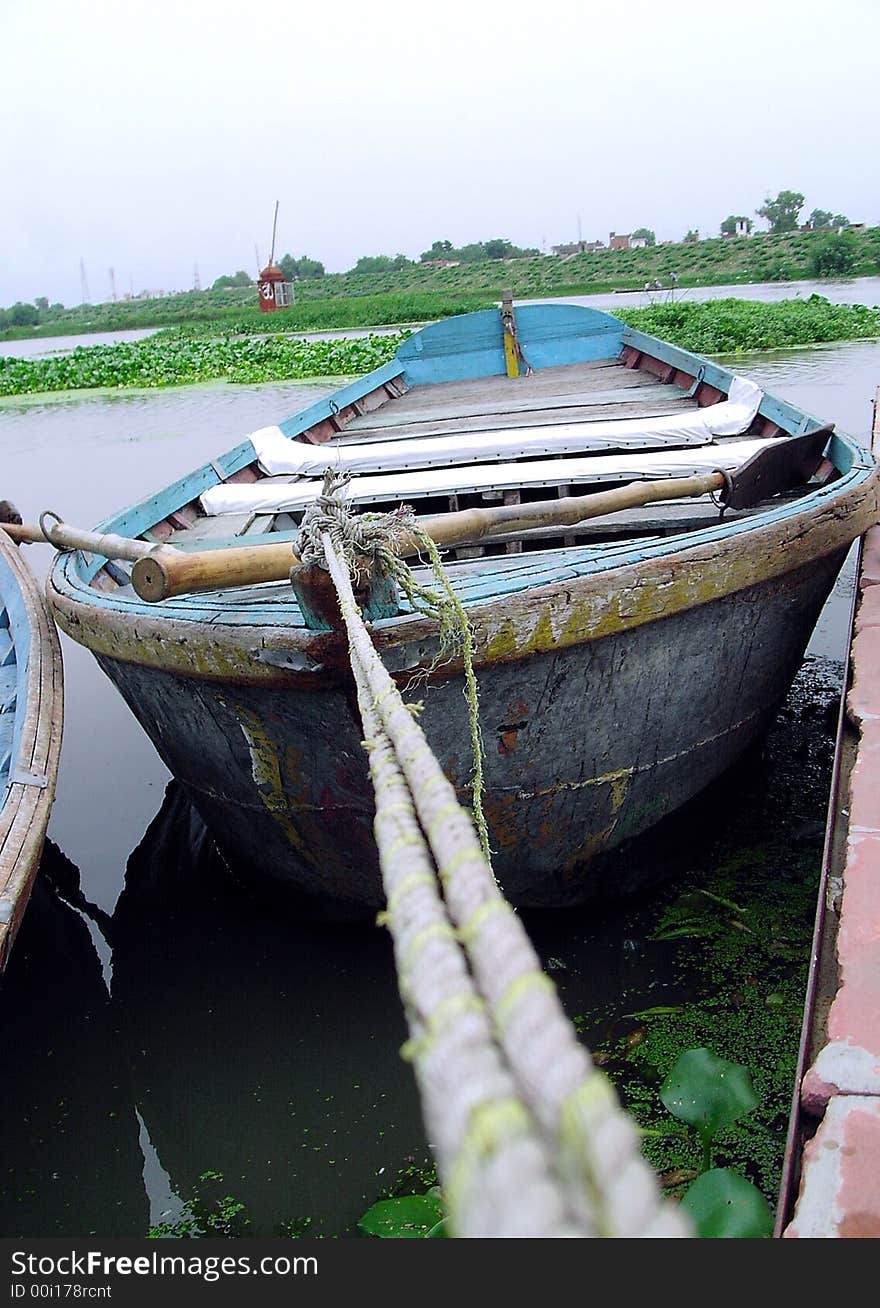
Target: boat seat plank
[
  {"x": 394, "y": 416},
  {"x": 8, "y": 683},
  {"x": 639, "y": 408},
  {"x": 7, "y": 731},
  {"x": 372, "y": 488},
  {"x": 232, "y": 527},
  {"x": 597, "y": 375}
]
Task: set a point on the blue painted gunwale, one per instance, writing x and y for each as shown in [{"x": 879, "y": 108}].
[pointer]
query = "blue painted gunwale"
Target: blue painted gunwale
[
  {"x": 15, "y": 622},
  {"x": 550, "y": 335}
]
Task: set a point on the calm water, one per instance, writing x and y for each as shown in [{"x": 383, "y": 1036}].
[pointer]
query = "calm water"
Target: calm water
[{"x": 173, "y": 1027}]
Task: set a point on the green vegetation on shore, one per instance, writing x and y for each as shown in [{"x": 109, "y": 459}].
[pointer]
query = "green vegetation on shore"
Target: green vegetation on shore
[
  {"x": 731, "y": 326},
  {"x": 767, "y": 256},
  {"x": 235, "y": 309},
  {"x": 179, "y": 357}
]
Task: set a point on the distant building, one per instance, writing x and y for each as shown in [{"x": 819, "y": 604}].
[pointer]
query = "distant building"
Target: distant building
[
  {"x": 578, "y": 247},
  {"x": 619, "y": 241},
  {"x": 440, "y": 263},
  {"x": 743, "y": 228}
]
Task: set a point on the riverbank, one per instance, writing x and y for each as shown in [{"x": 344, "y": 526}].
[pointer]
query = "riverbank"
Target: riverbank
[
  {"x": 402, "y": 294},
  {"x": 178, "y": 357}
]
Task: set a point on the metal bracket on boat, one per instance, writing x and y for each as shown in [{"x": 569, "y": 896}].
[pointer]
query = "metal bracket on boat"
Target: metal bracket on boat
[
  {"x": 701, "y": 373},
  {"x": 19, "y": 778},
  {"x": 288, "y": 658},
  {"x": 219, "y": 469}
]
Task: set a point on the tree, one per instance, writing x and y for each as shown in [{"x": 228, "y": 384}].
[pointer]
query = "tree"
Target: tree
[
  {"x": 644, "y": 234},
  {"x": 376, "y": 263},
  {"x": 41, "y": 303},
  {"x": 497, "y": 248},
  {"x": 302, "y": 269},
  {"x": 782, "y": 213},
  {"x": 823, "y": 219},
  {"x": 834, "y": 256},
  {"x": 232, "y": 279},
  {"x": 729, "y": 226},
  {"x": 439, "y": 250},
  {"x": 691, "y": 236},
  {"x": 23, "y": 315}
]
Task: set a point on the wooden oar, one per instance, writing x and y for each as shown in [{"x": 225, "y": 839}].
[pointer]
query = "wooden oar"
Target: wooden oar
[
  {"x": 64, "y": 537},
  {"x": 787, "y": 463},
  {"x": 160, "y": 575},
  {"x": 161, "y": 572}
]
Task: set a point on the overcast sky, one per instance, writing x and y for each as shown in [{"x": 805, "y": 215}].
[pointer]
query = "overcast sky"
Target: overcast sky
[{"x": 155, "y": 137}]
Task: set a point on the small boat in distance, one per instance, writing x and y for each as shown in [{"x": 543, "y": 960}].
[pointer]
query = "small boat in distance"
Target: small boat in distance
[
  {"x": 31, "y": 721},
  {"x": 624, "y": 658}
]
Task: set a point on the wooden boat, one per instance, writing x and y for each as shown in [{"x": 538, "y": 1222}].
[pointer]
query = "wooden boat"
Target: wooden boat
[
  {"x": 623, "y": 661},
  {"x": 31, "y": 713}
]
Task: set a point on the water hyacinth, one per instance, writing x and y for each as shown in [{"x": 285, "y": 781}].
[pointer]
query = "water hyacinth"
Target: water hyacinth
[
  {"x": 176, "y": 359},
  {"x": 730, "y": 326}
]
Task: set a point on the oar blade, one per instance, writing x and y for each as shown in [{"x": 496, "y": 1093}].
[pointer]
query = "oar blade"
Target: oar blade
[{"x": 789, "y": 462}]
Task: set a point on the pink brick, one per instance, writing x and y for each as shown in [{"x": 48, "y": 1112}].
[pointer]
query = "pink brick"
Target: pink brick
[
  {"x": 863, "y": 699},
  {"x": 863, "y": 795},
  {"x": 870, "y": 573},
  {"x": 840, "y": 1183},
  {"x": 868, "y": 610}
]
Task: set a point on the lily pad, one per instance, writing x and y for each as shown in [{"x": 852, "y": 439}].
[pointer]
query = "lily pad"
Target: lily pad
[
  {"x": 708, "y": 1092},
  {"x": 408, "y": 1217},
  {"x": 725, "y": 1206}
]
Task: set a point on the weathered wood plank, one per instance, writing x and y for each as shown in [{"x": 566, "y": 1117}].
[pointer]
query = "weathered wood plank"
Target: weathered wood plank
[
  {"x": 500, "y": 407},
  {"x": 644, "y": 408}
]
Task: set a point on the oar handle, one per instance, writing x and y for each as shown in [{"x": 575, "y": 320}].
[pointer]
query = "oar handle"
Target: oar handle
[
  {"x": 64, "y": 537},
  {"x": 164, "y": 574}
]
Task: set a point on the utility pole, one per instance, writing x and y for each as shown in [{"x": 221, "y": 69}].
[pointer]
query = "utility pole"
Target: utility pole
[
  {"x": 113, "y": 285},
  {"x": 83, "y": 283},
  {"x": 197, "y": 285}
]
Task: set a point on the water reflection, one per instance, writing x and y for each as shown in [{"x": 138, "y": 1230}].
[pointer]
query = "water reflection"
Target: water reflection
[
  {"x": 255, "y": 1045},
  {"x": 72, "y": 1164}
]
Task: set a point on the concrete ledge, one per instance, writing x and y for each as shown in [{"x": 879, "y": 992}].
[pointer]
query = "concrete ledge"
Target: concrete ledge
[{"x": 839, "y": 1197}]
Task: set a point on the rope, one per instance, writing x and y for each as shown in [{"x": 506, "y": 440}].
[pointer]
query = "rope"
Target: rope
[
  {"x": 369, "y": 541},
  {"x": 528, "y": 1135},
  {"x": 509, "y": 323}
]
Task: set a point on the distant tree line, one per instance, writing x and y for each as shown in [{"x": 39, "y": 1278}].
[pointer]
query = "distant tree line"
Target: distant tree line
[
  {"x": 783, "y": 215},
  {"x": 496, "y": 248},
  {"x": 295, "y": 270},
  {"x": 29, "y": 315}
]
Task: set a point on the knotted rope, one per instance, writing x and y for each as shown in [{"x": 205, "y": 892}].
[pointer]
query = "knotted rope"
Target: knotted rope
[
  {"x": 373, "y": 540},
  {"x": 528, "y": 1136}
]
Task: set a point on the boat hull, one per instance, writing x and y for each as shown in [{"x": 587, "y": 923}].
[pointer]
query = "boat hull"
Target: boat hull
[{"x": 587, "y": 746}]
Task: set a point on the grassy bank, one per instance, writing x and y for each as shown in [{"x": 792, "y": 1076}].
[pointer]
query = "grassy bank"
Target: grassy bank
[
  {"x": 236, "y": 310},
  {"x": 176, "y": 358},
  {"x": 340, "y": 299}
]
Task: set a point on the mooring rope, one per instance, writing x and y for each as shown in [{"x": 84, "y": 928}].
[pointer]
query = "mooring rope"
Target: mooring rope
[
  {"x": 370, "y": 541},
  {"x": 528, "y": 1135}
]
